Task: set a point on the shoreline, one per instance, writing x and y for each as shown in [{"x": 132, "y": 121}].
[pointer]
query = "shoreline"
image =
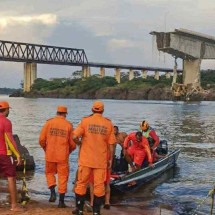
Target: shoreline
[
  {"x": 194, "y": 98},
  {"x": 41, "y": 206}
]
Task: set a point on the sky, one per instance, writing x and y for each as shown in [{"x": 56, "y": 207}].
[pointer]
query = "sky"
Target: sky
[{"x": 113, "y": 31}]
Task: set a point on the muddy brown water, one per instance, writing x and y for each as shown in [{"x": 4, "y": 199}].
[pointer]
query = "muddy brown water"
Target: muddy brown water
[{"x": 189, "y": 126}]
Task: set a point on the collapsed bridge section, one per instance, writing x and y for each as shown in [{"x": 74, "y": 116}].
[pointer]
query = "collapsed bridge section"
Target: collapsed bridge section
[{"x": 192, "y": 48}]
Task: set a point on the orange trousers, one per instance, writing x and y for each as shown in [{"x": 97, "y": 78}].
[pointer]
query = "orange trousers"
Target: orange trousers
[
  {"x": 62, "y": 169},
  {"x": 99, "y": 176}
]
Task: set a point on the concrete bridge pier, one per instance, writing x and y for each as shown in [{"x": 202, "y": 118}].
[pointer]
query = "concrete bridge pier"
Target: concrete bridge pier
[
  {"x": 86, "y": 71},
  {"x": 102, "y": 72},
  {"x": 144, "y": 74},
  {"x": 175, "y": 75},
  {"x": 191, "y": 72},
  {"x": 157, "y": 76},
  {"x": 30, "y": 75},
  {"x": 131, "y": 74},
  {"x": 117, "y": 75},
  {"x": 168, "y": 75}
]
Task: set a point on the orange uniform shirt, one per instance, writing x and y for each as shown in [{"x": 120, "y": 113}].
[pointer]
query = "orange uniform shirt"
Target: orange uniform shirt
[
  {"x": 56, "y": 139},
  {"x": 144, "y": 144},
  {"x": 97, "y": 133}
]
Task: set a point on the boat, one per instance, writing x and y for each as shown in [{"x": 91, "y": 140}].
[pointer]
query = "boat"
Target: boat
[{"x": 124, "y": 182}]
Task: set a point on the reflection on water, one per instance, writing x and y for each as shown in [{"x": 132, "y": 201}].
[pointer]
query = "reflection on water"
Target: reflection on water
[{"x": 189, "y": 126}]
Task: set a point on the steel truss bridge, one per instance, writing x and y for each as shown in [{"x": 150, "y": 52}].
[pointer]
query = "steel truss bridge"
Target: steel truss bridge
[
  {"x": 33, "y": 53},
  {"x": 45, "y": 54}
]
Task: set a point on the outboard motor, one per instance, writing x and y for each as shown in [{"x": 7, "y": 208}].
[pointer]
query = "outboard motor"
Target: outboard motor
[{"x": 162, "y": 148}]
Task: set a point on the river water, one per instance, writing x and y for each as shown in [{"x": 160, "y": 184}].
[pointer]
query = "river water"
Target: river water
[{"x": 189, "y": 126}]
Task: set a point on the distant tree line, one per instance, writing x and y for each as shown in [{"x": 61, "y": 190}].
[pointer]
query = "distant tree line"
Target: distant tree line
[
  {"x": 7, "y": 91},
  {"x": 77, "y": 84},
  {"x": 80, "y": 85}
]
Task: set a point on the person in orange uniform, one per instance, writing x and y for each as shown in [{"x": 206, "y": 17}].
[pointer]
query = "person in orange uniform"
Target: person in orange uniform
[
  {"x": 150, "y": 134},
  {"x": 56, "y": 140},
  {"x": 98, "y": 138},
  {"x": 137, "y": 151},
  {"x": 107, "y": 189},
  {"x": 7, "y": 148}
]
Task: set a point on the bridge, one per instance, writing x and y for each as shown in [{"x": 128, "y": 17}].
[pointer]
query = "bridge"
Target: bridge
[
  {"x": 32, "y": 54},
  {"x": 191, "y": 47}
]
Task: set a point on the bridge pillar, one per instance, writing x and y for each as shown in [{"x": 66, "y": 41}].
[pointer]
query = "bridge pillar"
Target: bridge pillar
[
  {"x": 175, "y": 75},
  {"x": 102, "y": 72},
  {"x": 191, "y": 72},
  {"x": 168, "y": 75},
  {"x": 144, "y": 74},
  {"x": 157, "y": 76},
  {"x": 30, "y": 75},
  {"x": 117, "y": 75},
  {"x": 131, "y": 75},
  {"x": 86, "y": 72}
]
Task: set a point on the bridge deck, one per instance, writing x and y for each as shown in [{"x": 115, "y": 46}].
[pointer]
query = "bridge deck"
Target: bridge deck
[{"x": 44, "y": 54}]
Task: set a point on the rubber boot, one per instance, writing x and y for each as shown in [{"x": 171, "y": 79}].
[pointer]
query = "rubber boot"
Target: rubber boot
[
  {"x": 79, "y": 204},
  {"x": 53, "y": 196},
  {"x": 61, "y": 201},
  {"x": 97, "y": 203}
]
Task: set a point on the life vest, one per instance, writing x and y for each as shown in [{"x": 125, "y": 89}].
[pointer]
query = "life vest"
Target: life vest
[{"x": 146, "y": 134}]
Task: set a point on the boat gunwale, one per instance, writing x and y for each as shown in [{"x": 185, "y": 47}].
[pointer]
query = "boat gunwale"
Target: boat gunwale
[{"x": 135, "y": 176}]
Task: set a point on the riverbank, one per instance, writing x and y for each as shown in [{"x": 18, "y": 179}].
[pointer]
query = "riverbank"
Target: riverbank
[
  {"x": 41, "y": 207},
  {"x": 147, "y": 93},
  {"x": 95, "y": 87}
]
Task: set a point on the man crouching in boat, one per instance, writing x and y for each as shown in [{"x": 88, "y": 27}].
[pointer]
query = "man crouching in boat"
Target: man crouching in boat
[{"x": 136, "y": 149}]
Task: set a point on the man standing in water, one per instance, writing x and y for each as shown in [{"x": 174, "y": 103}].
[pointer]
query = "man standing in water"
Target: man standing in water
[
  {"x": 56, "y": 140},
  {"x": 7, "y": 148},
  {"x": 98, "y": 138}
]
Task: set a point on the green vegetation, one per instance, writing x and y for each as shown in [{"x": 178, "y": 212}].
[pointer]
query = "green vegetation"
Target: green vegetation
[
  {"x": 78, "y": 85},
  {"x": 7, "y": 91},
  {"x": 139, "y": 82},
  {"x": 208, "y": 79},
  {"x": 94, "y": 83}
]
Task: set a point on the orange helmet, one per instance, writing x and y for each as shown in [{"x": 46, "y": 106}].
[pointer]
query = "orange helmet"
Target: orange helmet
[
  {"x": 62, "y": 109},
  {"x": 144, "y": 125},
  {"x": 4, "y": 105},
  {"x": 98, "y": 106}
]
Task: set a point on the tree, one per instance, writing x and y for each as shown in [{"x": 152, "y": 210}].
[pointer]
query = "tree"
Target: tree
[
  {"x": 77, "y": 74},
  {"x": 124, "y": 76},
  {"x": 137, "y": 74}
]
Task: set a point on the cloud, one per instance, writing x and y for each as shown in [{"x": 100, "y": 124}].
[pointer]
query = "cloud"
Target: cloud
[
  {"x": 101, "y": 18},
  {"x": 45, "y": 19},
  {"x": 110, "y": 31},
  {"x": 121, "y": 43},
  {"x": 29, "y": 29}
]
